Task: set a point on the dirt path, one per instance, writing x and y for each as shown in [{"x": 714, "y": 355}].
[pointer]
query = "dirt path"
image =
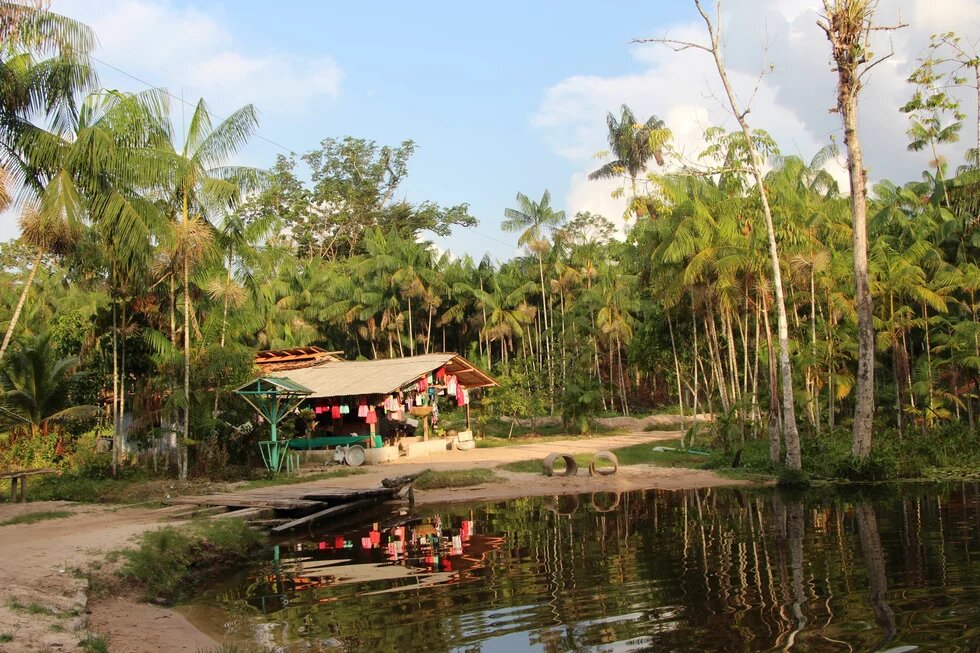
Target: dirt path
[
  {"x": 633, "y": 477},
  {"x": 43, "y": 590},
  {"x": 43, "y": 603}
]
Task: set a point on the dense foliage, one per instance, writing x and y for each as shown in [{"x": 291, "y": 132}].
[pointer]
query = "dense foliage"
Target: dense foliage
[{"x": 150, "y": 270}]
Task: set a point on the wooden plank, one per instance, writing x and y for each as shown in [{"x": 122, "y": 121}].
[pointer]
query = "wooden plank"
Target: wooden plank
[
  {"x": 245, "y": 502},
  {"x": 248, "y": 514},
  {"x": 329, "y": 512},
  {"x": 28, "y": 472}
]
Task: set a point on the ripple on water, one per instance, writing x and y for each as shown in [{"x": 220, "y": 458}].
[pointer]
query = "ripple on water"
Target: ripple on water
[{"x": 715, "y": 570}]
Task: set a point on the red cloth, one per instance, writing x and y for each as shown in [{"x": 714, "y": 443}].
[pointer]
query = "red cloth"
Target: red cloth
[
  {"x": 375, "y": 537},
  {"x": 460, "y": 397},
  {"x": 338, "y": 542},
  {"x": 372, "y": 417},
  {"x": 441, "y": 374},
  {"x": 335, "y": 411}
]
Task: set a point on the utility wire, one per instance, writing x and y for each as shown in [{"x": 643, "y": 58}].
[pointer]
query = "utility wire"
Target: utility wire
[{"x": 215, "y": 116}]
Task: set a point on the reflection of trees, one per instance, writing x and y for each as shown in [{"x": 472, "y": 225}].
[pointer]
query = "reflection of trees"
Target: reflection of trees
[
  {"x": 874, "y": 560},
  {"x": 719, "y": 569}
]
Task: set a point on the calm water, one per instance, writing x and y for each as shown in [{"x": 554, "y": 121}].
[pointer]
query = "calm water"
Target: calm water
[{"x": 708, "y": 570}]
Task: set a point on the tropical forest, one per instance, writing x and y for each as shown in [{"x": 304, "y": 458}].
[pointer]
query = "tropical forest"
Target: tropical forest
[{"x": 758, "y": 345}]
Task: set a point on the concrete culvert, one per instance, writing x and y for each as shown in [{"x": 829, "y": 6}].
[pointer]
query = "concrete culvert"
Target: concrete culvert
[
  {"x": 571, "y": 467},
  {"x": 607, "y": 456}
]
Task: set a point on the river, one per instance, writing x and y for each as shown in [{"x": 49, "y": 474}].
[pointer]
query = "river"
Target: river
[{"x": 883, "y": 568}]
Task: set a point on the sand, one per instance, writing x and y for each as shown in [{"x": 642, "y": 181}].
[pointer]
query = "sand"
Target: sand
[{"x": 43, "y": 566}]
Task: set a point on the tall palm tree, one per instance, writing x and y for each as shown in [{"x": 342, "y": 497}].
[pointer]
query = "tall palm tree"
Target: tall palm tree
[
  {"x": 530, "y": 218},
  {"x": 44, "y": 70},
  {"x": 633, "y": 144},
  {"x": 203, "y": 186}
]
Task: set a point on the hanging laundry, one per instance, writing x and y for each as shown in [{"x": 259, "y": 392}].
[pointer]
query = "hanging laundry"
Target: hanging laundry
[
  {"x": 344, "y": 409},
  {"x": 372, "y": 416},
  {"x": 335, "y": 411},
  {"x": 460, "y": 398},
  {"x": 441, "y": 374},
  {"x": 466, "y": 397},
  {"x": 451, "y": 383}
]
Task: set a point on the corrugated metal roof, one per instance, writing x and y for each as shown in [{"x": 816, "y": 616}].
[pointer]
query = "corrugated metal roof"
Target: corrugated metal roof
[
  {"x": 279, "y": 383},
  {"x": 379, "y": 377}
]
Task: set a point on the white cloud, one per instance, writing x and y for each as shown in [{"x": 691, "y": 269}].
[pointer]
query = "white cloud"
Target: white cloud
[
  {"x": 793, "y": 101},
  {"x": 190, "y": 52}
]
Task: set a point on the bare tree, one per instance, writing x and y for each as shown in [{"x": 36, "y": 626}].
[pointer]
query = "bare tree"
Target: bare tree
[
  {"x": 790, "y": 431},
  {"x": 849, "y": 25}
]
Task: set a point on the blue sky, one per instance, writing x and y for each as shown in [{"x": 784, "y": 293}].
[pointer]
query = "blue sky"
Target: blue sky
[{"x": 500, "y": 97}]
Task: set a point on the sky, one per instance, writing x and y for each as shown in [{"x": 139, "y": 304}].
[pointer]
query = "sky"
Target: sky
[{"x": 508, "y": 97}]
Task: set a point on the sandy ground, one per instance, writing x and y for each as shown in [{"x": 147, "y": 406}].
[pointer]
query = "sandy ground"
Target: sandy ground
[{"x": 43, "y": 591}]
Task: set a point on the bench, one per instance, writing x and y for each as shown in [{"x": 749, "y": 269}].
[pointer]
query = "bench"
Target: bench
[{"x": 21, "y": 475}]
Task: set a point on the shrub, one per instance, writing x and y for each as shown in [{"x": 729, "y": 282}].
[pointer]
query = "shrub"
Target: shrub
[
  {"x": 170, "y": 561},
  {"x": 792, "y": 479}
]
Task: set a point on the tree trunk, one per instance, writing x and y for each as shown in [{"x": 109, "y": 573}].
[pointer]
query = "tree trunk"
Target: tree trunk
[
  {"x": 790, "y": 431},
  {"x": 547, "y": 336},
  {"x": 847, "y": 26},
  {"x": 677, "y": 371},
  {"x": 186, "y": 427},
  {"x": 864, "y": 398},
  {"x": 775, "y": 444},
  {"x": 20, "y": 303}
]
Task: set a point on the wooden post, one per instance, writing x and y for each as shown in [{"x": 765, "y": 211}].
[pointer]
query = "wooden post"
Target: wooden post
[
  {"x": 425, "y": 429},
  {"x": 13, "y": 489},
  {"x": 468, "y": 417},
  {"x": 23, "y": 489},
  {"x": 371, "y": 439}
]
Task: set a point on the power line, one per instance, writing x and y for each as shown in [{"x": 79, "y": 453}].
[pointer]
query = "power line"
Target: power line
[
  {"x": 190, "y": 104},
  {"x": 254, "y": 133}
]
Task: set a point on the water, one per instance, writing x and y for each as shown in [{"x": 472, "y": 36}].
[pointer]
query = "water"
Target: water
[{"x": 708, "y": 570}]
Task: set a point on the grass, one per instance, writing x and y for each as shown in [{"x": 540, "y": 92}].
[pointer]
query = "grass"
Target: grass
[
  {"x": 95, "y": 644},
  {"x": 301, "y": 478},
  {"x": 6, "y": 637},
  {"x": 170, "y": 561},
  {"x": 432, "y": 480},
  {"x": 137, "y": 488},
  {"x": 34, "y": 517}
]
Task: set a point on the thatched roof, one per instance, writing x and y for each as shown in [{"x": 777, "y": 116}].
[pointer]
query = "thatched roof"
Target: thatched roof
[{"x": 380, "y": 377}]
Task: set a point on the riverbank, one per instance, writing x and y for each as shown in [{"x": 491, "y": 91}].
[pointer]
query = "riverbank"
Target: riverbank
[{"x": 45, "y": 601}]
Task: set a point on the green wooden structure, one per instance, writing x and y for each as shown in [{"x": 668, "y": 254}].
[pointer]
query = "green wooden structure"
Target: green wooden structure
[{"x": 273, "y": 398}]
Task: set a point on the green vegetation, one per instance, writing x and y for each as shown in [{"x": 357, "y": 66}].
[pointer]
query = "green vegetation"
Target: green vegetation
[
  {"x": 95, "y": 644},
  {"x": 433, "y": 480},
  {"x": 34, "y": 517},
  {"x": 171, "y": 561},
  {"x": 6, "y": 637},
  {"x": 747, "y": 284}
]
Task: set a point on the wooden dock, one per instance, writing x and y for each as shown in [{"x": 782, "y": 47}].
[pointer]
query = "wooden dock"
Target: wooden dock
[{"x": 285, "y": 507}]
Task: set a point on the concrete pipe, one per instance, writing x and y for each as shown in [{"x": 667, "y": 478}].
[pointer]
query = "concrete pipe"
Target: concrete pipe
[
  {"x": 607, "y": 456},
  {"x": 571, "y": 467}
]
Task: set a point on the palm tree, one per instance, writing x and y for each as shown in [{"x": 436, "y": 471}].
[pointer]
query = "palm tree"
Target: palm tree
[
  {"x": 202, "y": 187},
  {"x": 34, "y": 388},
  {"x": 44, "y": 69},
  {"x": 530, "y": 218},
  {"x": 633, "y": 144}
]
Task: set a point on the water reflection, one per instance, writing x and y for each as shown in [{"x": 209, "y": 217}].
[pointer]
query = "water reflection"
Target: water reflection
[{"x": 706, "y": 570}]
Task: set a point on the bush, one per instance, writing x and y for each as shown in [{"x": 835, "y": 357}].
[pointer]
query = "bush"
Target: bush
[
  {"x": 170, "y": 561},
  {"x": 880, "y": 465},
  {"x": 792, "y": 479}
]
